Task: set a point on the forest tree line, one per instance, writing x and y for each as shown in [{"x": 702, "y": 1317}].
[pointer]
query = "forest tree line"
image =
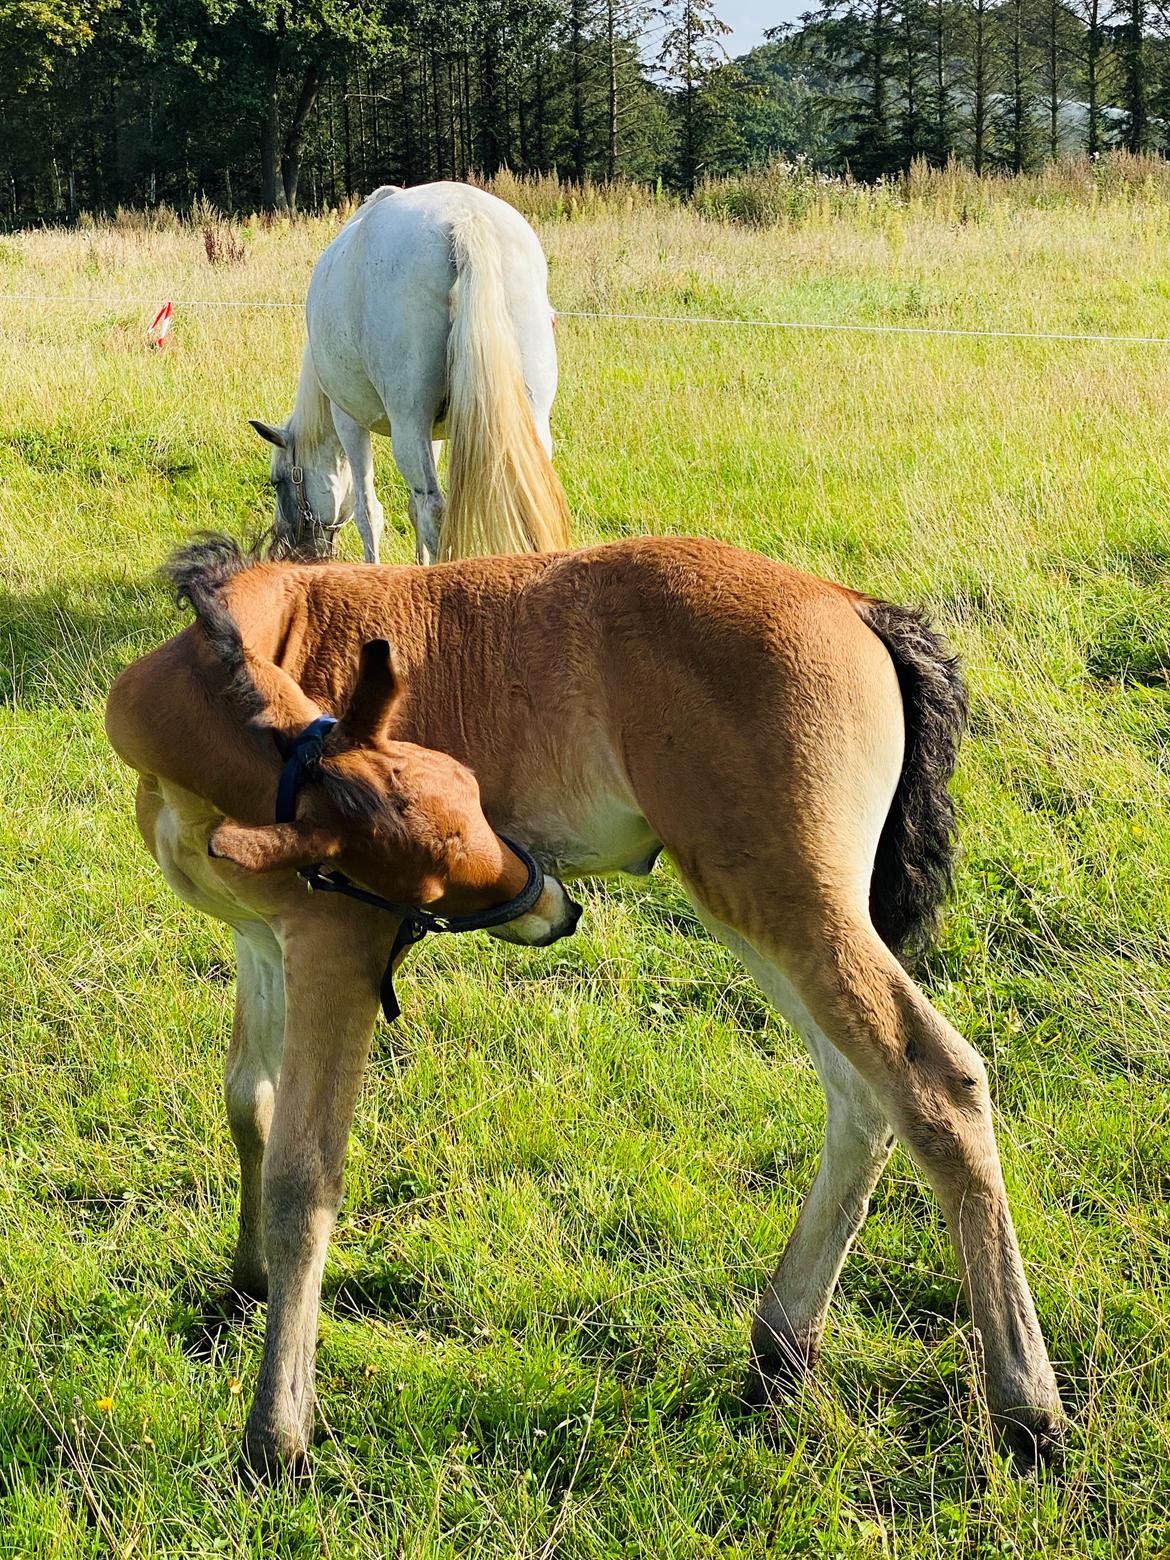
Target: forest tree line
[{"x": 265, "y": 104}]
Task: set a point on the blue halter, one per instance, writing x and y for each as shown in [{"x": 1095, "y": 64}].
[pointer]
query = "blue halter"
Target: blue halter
[
  {"x": 305, "y": 756},
  {"x": 415, "y": 922}
]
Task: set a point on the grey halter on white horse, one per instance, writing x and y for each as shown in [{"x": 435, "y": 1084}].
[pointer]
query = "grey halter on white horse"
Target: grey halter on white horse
[{"x": 428, "y": 315}]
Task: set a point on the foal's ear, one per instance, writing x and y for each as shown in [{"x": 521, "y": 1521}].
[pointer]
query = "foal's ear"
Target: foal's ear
[
  {"x": 272, "y": 845},
  {"x": 376, "y": 692},
  {"x": 267, "y": 432}
]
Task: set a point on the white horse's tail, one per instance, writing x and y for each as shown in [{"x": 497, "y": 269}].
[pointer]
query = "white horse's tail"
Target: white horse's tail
[{"x": 503, "y": 495}]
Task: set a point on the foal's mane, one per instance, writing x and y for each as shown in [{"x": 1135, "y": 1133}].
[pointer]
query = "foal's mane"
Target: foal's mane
[{"x": 198, "y": 573}]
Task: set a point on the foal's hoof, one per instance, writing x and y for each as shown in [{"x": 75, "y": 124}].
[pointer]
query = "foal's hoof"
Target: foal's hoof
[
  {"x": 1033, "y": 1436},
  {"x": 778, "y": 1372}
]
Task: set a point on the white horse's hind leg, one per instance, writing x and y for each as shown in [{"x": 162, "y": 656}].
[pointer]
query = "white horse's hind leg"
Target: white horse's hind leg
[
  {"x": 368, "y": 515},
  {"x": 541, "y": 415},
  {"x": 790, "y": 1321},
  {"x": 250, "y": 1080},
  {"x": 415, "y": 459}
]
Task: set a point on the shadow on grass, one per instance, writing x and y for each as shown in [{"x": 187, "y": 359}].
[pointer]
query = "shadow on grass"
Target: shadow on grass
[
  {"x": 63, "y": 450},
  {"x": 1132, "y": 647},
  {"x": 206, "y": 1317},
  {"x": 390, "y": 1290},
  {"x": 65, "y": 646},
  {"x": 568, "y": 1430}
]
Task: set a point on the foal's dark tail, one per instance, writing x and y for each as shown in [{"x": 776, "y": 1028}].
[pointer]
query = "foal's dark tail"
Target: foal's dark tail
[{"x": 916, "y": 852}]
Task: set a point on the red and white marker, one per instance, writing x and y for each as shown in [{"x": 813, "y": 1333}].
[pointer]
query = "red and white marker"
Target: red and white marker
[{"x": 160, "y": 326}]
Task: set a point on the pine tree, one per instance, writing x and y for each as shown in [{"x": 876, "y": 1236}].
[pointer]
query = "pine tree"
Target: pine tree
[
  {"x": 1131, "y": 35},
  {"x": 941, "y": 30},
  {"x": 690, "y": 55},
  {"x": 982, "y": 76},
  {"x": 1095, "y": 16},
  {"x": 860, "y": 40},
  {"x": 1021, "y": 94}
]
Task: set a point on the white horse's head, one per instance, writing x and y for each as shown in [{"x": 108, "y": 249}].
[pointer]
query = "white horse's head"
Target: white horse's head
[{"x": 313, "y": 499}]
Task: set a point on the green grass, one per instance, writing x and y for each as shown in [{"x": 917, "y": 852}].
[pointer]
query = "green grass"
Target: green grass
[{"x": 572, "y": 1170}]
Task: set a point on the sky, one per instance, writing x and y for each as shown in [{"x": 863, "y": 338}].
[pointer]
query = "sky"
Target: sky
[{"x": 748, "y": 18}]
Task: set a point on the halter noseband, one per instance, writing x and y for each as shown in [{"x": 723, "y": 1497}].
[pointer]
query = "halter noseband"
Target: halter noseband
[
  {"x": 415, "y": 921},
  {"x": 306, "y": 518}
]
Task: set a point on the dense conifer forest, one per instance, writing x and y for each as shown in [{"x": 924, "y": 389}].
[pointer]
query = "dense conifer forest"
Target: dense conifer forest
[{"x": 263, "y": 105}]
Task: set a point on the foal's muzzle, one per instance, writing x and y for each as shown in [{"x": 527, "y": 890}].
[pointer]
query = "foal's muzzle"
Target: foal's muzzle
[{"x": 553, "y": 916}]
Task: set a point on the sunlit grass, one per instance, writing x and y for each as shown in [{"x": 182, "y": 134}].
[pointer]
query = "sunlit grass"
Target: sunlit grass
[{"x": 572, "y": 1170}]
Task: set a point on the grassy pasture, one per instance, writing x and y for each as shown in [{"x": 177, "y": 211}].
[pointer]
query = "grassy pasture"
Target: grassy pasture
[{"x": 571, "y": 1170}]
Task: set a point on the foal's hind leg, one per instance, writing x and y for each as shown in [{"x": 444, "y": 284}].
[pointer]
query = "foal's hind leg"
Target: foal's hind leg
[
  {"x": 250, "y": 1080},
  {"x": 790, "y": 1321},
  {"x": 932, "y": 1087}
]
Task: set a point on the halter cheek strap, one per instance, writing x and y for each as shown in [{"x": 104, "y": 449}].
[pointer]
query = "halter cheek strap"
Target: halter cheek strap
[
  {"x": 414, "y": 921},
  {"x": 306, "y": 518}
]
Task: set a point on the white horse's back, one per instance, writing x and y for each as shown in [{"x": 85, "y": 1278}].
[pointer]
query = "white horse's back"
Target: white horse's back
[{"x": 390, "y": 350}]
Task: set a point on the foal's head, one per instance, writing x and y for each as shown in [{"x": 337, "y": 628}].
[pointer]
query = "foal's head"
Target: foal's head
[
  {"x": 401, "y": 820},
  {"x": 313, "y": 501}
]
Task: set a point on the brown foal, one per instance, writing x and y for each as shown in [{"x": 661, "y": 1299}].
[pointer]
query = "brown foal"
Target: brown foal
[{"x": 788, "y": 742}]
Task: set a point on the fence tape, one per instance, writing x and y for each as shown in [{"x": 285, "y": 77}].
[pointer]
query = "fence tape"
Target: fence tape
[
  {"x": 133, "y": 302},
  {"x": 829, "y": 326},
  {"x": 875, "y": 330}
]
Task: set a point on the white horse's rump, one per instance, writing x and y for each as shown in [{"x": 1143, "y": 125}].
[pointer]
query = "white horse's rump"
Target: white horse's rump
[{"x": 428, "y": 315}]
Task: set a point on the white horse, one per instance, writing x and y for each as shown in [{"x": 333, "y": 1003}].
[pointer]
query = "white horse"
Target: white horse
[{"x": 428, "y": 316}]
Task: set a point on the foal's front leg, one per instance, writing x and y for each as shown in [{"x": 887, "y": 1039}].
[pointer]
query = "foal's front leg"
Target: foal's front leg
[
  {"x": 331, "y": 1002},
  {"x": 250, "y": 1082}
]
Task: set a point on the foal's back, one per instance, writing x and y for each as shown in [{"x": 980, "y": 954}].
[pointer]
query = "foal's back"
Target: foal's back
[{"x": 702, "y": 676}]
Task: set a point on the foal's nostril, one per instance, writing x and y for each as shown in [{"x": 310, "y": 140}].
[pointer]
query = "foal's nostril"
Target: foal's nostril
[{"x": 576, "y": 911}]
